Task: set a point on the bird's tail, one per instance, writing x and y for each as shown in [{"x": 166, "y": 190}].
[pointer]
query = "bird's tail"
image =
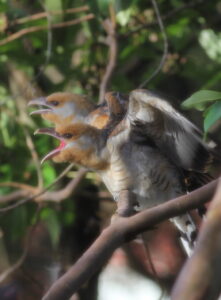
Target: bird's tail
[{"x": 188, "y": 231}]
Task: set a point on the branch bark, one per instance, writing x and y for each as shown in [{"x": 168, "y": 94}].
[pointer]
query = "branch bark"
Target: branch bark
[
  {"x": 40, "y": 195},
  {"x": 200, "y": 278},
  {"x": 121, "y": 231}
]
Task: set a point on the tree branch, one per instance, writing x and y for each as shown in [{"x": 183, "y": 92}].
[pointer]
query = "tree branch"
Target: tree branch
[
  {"x": 54, "y": 196},
  {"x": 32, "y": 29},
  {"x": 52, "y": 13},
  {"x": 23, "y": 201},
  {"x": 58, "y": 196},
  {"x": 119, "y": 232},
  {"x": 14, "y": 196},
  {"x": 200, "y": 278}
]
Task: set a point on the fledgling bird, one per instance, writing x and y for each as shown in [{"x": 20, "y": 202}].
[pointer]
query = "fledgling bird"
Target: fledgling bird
[
  {"x": 147, "y": 153},
  {"x": 66, "y": 108},
  {"x": 150, "y": 178}
]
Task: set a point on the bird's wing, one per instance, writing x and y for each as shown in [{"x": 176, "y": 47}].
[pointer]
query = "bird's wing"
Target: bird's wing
[{"x": 154, "y": 120}]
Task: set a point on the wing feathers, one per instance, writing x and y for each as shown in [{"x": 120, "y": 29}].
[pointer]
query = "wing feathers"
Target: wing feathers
[{"x": 172, "y": 133}]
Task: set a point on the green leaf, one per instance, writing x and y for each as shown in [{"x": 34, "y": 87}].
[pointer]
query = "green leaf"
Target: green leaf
[
  {"x": 48, "y": 173},
  {"x": 123, "y": 16},
  {"x": 201, "y": 97},
  {"x": 213, "y": 114},
  {"x": 211, "y": 43}
]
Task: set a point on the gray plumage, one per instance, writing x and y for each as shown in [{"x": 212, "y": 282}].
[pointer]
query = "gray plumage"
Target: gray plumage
[{"x": 150, "y": 154}]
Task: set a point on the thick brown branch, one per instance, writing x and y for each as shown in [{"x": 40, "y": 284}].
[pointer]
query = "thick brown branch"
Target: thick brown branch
[
  {"x": 200, "y": 278},
  {"x": 119, "y": 232}
]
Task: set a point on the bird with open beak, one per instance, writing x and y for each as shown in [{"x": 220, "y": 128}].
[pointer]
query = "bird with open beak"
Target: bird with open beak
[
  {"x": 64, "y": 108},
  {"x": 146, "y": 154}
]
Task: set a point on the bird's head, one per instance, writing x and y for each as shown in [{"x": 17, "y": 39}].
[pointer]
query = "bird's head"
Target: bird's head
[
  {"x": 79, "y": 143},
  {"x": 63, "y": 108}
]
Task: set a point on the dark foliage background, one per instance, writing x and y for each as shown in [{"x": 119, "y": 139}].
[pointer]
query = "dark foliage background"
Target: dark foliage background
[{"x": 74, "y": 58}]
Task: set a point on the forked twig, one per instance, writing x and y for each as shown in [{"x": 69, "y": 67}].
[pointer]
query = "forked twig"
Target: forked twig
[{"x": 12, "y": 206}]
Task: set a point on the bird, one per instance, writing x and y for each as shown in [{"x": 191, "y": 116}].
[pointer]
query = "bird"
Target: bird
[
  {"x": 66, "y": 108},
  {"x": 147, "y": 154}
]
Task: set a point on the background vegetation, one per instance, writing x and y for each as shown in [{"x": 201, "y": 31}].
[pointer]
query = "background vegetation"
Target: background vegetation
[{"x": 74, "y": 58}]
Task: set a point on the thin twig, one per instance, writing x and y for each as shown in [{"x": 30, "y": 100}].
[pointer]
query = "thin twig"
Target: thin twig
[
  {"x": 110, "y": 27},
  {"x": 32, "y": 29},
  {"x": 14, "y": 267},
  {"x": 12, "y": 206},
  {"x": 46, "y": 13},
  {"x": 121, "y": 231},
  {"x": 152, "y": 266},
  {"x": 21, "y": 260},
  {"x": 153, "y": 270},
  {"x": 58, "y": 196},
  {"x": 14, "y": 196},
  {"x": 53, "y": 196},
  {"x": 35, "y": 157},
  {"x": 165, "y": 48},
  {"x": 19, "y": 185}
]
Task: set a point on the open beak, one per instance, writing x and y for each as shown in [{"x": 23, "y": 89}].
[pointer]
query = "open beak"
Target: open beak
[
  {"x": 51, "y": 132},
  {"x": 41, "y": 101}
]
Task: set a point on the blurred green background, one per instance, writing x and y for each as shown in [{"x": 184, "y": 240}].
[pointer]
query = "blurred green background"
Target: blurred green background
[{"x": 74, "y": 58}]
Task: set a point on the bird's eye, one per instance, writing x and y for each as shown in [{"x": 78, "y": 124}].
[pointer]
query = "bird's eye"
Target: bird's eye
[
  {"x": 54, "y": 103},
  {"x": 67, "y": 135}
]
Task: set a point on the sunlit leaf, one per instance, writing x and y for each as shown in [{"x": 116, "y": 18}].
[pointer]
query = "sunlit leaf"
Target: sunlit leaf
[
  {"x": 123, "y": 16},
  {"x": 211, "y": 43},
  {"x": 201, "y": 97},
  {"x": 213, "y": 114}
]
